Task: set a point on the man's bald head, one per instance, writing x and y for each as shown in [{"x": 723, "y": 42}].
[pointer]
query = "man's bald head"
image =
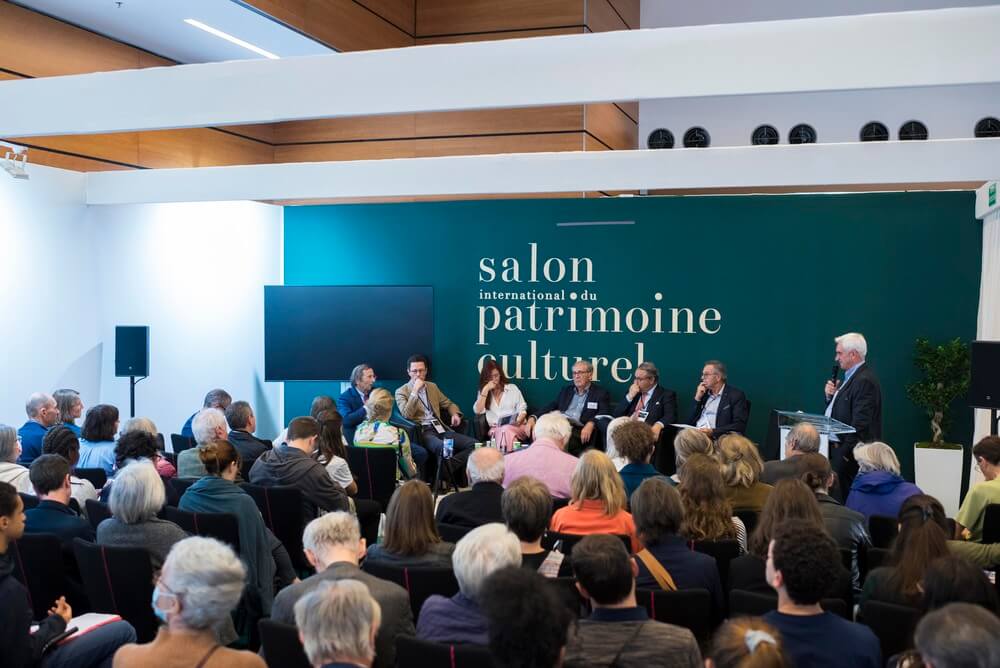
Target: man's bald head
[
  {"x": 802, "y": 439},
  {"x": 485, "y": 465}
]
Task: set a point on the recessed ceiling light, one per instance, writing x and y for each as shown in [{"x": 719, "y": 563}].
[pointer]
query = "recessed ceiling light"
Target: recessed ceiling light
[{"x": 229, "y": 38}]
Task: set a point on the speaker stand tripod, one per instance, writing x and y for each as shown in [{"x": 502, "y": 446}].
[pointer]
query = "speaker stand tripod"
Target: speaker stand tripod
[{"x": 132, "y": 382}]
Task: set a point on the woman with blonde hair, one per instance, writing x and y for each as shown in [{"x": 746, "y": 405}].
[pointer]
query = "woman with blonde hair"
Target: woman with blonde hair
[
  {"x": 597, "y": 501},
  {"x": 690, "y": 442},
  {"x": 741, "y": 468},
  {"x": 377, "y": 432},
  {"x": 411, "y": 537},
  {"x": 708, "y": 515},
  {"x": 747, "y": 642}
]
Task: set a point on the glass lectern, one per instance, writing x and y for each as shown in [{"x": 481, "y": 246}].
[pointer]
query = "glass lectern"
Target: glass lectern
[{"x": 824, "y": 425}]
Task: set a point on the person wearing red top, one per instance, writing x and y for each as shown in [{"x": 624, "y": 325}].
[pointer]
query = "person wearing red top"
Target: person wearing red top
[{"x": 597, "y": 501}]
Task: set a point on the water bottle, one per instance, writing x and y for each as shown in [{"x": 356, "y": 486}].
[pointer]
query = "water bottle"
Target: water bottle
[{"x": 449, "y": 447}]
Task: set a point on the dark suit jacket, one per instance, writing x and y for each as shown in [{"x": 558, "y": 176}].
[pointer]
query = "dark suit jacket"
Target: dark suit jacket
[
  {"x": 776, "y": 470},
  {"x": 480, "y": 505},
  {"x": 596, "y": 394},
  {"x": 733, "y": 412},
  {"x": 859, "y": 404},
  {"x": 351, "y": 406},
  {"x": 55, "y": 518},
  {"x": 662, "y": 407},
  {"x": 249, "y": 446}
]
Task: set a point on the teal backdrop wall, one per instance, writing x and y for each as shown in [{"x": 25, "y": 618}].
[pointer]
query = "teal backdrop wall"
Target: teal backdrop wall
[{"x": 763, "y": 283}]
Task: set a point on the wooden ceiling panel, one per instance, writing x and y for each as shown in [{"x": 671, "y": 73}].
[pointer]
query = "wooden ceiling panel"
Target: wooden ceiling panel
[
  {"x": 453, "y": 17},
  {"x": 602, "y": 17},
  {"x": 400, "y": 13},
  {"x": 200, "y": 148},
  {"x": 510, "y": 34}
]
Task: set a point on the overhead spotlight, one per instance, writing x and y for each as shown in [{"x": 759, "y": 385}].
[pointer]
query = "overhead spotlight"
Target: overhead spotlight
[{"x": 15, "y": 162}]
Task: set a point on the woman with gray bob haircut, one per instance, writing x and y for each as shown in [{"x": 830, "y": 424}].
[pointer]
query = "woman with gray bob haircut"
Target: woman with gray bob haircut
[
  {"x": 10, "y": 471},
  {"x": 136, "y": 497},
  {"x": 337, "y": 624},
  {"x": 878, "y": 489},
  {"x": 201, "y": 582}
]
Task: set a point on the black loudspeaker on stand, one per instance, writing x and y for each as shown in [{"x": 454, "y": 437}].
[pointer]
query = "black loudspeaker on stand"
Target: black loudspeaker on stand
[
  {"x": 132, "y": 358},
  {"x": 984, "y": 388}
]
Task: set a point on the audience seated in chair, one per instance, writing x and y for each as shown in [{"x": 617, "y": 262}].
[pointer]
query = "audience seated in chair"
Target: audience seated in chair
[
  {"x": 411, "y": 537},
  {"x": 12, "y": 472},
  {"x": 970, "y": 516},
  {"x": 526, "y": 507},
  {"x": 242, "y": 424},
  {"x": 611, "y": 443},
  {"x": 377, "y": 432},
  {"x": 953, "y": 580},
  {"x": 137, "y": 496},
  {"x": 61, "y": 440},
  {"x": 293, "y": 464},
  {"x": 659, "y": 514},
  {"x": 218, "y": 399},
  {"x": 959, "y": 635},
  {"x": 546, "y": 459},
  {"x": 50, "y": 478},
  {"x": 746, "y": 642},
  {"x": 581, "y": 403},
  {"x": 635, "y": 442},
  {"x": 802, "y": 439},
  {"x": 708, "y": 515},
  {"x": 97, "y": 438},
  {"x": 481, "y": 504},
  {"x": 878, "y": 488},
  {"x": 741, "y": 469},
  {"x": 43, "y": 413},
  {"x": 801, "y": 566},
  {"x": 201, "y": 583},
  {"x": 163, "y": 466},
  {"x": 597, "y": 503},
  {"x": 338, "y": 623},
  {"x": 334, "y": 546},
  {"x": 528, "y": 623},
  {"x": 132, "y": 446},
  {"x": 320, "y": 403},
  {"x": 208, "y": 425},
  {"x": 618, "y": 631},
  {"x": 70, "y": 407},
  {"x": 263, "y": 555},
  {"x": 332, "y": 452},
  {"x": 460, "y": 619},
  {"x": 19, "y": 647},
  {"x": 690, "y": 442}
]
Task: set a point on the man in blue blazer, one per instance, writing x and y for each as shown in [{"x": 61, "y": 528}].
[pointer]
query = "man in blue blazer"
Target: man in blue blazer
[
  {"x": 581, "y": 403},
  {"x": 719, "y": 408},
  {"x": 351, "y": 404}
]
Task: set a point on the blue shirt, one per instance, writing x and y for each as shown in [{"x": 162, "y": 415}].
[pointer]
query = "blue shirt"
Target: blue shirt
[
  {"x": 186, "y": 429},
  {"x": 99, "y": 455},
  {"x": 72, "y": 427},
  {"x": 826, "y": 640},
  {"x": 31, "y": 434},
  {"x": 452, "y": 620},
  {"x": 576, "y": 405}
]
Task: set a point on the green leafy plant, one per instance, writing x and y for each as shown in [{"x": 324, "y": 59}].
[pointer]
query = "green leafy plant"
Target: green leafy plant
[{"x": 946, "y": 369}]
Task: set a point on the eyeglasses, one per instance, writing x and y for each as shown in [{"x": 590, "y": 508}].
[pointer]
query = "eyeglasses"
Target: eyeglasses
[
  {"x": 712, "y": 373},
  {"x": 581, "y": 373}
]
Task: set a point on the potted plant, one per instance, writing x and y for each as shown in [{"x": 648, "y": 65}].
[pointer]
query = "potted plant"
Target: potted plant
[{"x": 938, "y": 463}]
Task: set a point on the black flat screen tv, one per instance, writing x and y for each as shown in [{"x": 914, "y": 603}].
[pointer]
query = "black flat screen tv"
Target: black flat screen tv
[{"x": 322, "y": 332}]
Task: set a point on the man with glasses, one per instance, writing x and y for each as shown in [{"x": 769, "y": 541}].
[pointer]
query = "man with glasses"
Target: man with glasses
[
  {"x": 973, "y": 511},
  {"x": 648, "y": 401},
  {"x": 719, "y": 408},
  {"x": 581, "y": 402}
]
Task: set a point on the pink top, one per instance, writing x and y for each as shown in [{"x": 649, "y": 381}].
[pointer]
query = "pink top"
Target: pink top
[
  {"x": 590, "y": 518},
  {"x": 545, "y": 461}
]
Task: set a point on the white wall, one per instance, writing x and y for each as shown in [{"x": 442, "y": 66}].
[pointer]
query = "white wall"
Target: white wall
[{"x": 192, "y": 272}]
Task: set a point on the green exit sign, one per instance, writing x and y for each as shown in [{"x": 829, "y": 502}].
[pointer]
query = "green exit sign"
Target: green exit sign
[{"x": 992, "y": 194}]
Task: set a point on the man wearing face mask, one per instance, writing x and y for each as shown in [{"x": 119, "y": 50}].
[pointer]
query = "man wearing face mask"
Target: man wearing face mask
[
  {"x": 719, "y": 408},
  {"x": 351, "y": 404}
]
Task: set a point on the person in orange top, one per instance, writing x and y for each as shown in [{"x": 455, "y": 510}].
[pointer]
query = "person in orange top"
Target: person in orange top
[{"x": 597, "y": 501}]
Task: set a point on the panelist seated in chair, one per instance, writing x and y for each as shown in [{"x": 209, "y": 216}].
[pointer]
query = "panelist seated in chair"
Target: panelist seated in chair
[
  {"x": 648, "y": 401},
  {"x": 719, "y": 408},
  {"x": 502, "y": 405},
  {"x": 421, "y": 401},
  {"x": 581, "y": 403}
]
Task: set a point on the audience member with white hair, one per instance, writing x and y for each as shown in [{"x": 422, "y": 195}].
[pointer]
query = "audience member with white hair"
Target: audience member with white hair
[
  {"x": 546, "y": 459},
  {"x": 801, "y": 440},
  {"x": 201, "y": 583},
  {"x": 338, "y": 622},
  {"x": 690, "y": 442},
  {"x": 42, "y": 414},
  {"x": 611, "y": 444},
  {"x": 878, "y": 489},
  {"x": 481, "y": 504},
  {"x": 460, "y": 619},
  {"x": 10, "y": 471},
  {"x": 216, "y": 398},
  {"x": 208, "y": 426},
  {"x": 136, "y": 497},
  {"x": 334, "y": 546}
]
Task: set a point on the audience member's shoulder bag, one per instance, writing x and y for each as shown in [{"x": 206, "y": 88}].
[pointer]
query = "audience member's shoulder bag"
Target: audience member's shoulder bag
[{"x": 656, "y": 569}]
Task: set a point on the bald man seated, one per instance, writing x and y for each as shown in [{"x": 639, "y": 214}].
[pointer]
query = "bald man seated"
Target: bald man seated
[{"x": 481, "y": 504}]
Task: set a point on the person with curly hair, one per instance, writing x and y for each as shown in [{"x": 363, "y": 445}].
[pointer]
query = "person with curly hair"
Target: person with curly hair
[
  {"x": 635, "y": 442},
  {"x": 708, "y": 515}
]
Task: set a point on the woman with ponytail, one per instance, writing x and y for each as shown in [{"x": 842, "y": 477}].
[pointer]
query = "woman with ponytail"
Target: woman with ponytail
[{"x": 747, "y": 642}]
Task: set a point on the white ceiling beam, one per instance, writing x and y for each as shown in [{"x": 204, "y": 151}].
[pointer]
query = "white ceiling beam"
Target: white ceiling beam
[
  {"x": 903, "y": 49},
  {"x": 947, "y": 160}
]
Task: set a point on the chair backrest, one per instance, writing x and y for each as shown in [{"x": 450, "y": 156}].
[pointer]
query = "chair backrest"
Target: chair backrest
[
  {"x": 180, "y": 485},
  {"x": 30, "y": 500},
  {"x": 883, "y": 530},
  {"x": 991, "y": 523},
  {"x": 748, "y": 517},
  {"x": 570, "y": 595},
  {"x": 724, "y": 551},
  {"x": 452, "y": 533},
  {"x": 690, "y": 608},
  {"x": 119, "y": 580},
  {"x": 97, "y": 512},
  {"x": 39, "y": 565},
  {"x": 892, "y": 624},
  {"x": 97, "y": 477},
  {"x": 419, "y": 582},
  {"x": 559, "y": 502},
  {"x": 375, "y": 471},
  {"x": 281, "y": 508},
  {"x": 751, "y": 603},
  {"x": 221, "y": 526},
  {"x": 567, "y": 541},
  {"x": 415, "y": 653},
  {"x": 179, "y": 443},
  {"x": 877, "y": 557},
  {"x": 281, "y": 646}
]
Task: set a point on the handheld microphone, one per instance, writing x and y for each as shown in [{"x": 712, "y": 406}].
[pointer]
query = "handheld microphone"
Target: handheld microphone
[{"x": 834, "y": 373}]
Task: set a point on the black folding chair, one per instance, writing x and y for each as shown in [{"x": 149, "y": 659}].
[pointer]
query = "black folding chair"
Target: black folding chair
[
  {"x": 179, "y": 443},
  {"x": 281, "y": 508},
  {"x": 748, "y": 517},
  {"x": 452, "y": 533},
  {"x": 30, "y": 500},
  {"x": 375, "y": 471},
  {"x": 690, "y": 608},
  {"x": 97, "y": 512},
  {"x": 570, "y": 596},
  {"x": 180, "y": 485},
  {"x": 724, "y": 551},
  {"x": 892, "y": 624},
  {"x": 991, "y": 523},
  {"x": 559, "y": 502},
  {"x": 280, "y": 645},
  {"x": 39, "y": 565},
  {"x": 415, "y": 653},
  {"x": 221, "y": 526},
  {"x": 883, "y": 530},
  {"x": 565, "y": 542},
  {"x": 744, "y": 603},
  {"x": 97, "y": 477},
  {"x": 420, "y": 583},
  {"x": 119, "y": 580}
]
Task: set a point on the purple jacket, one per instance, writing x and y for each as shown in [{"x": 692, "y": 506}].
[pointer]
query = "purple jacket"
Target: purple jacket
[{"x": 880, "y": 493}]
